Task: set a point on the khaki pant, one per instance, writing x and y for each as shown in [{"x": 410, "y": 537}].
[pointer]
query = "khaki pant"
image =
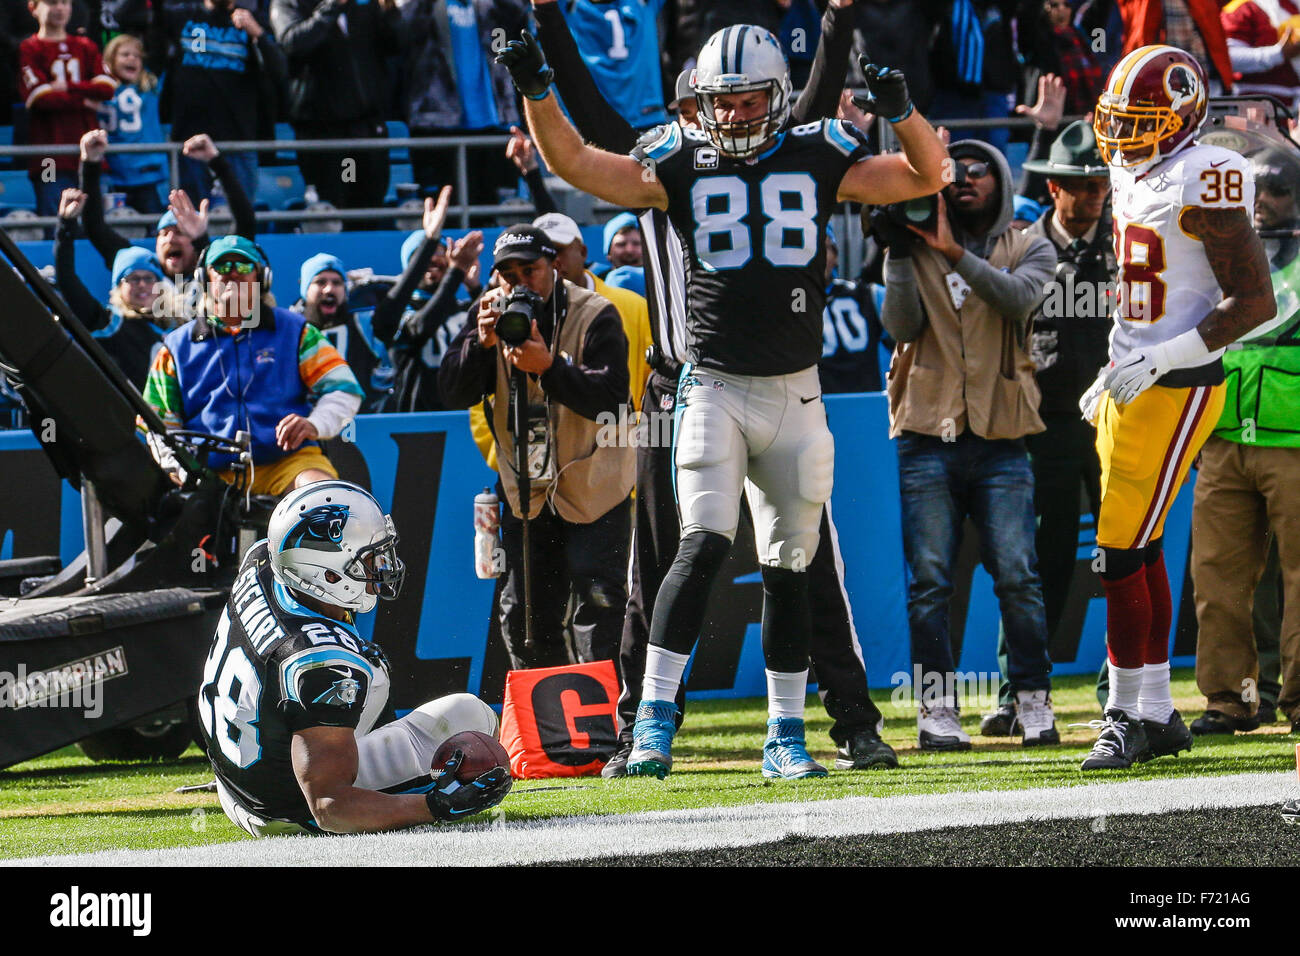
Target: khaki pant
[{"x": 1243, "y": 492}]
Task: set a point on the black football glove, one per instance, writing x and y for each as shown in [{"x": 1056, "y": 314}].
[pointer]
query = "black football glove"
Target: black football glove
[
  {"x": 889, "y": 234},
  {"x": 888, "y": 90},
  {"x": 451, "y": 800},
  {"x": 527, "y": 66}
]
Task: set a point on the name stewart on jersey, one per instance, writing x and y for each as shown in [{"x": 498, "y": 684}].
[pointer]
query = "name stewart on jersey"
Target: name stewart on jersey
[
  {"x": 276, "y": 668},
  {"x": 755, "y": 236}
]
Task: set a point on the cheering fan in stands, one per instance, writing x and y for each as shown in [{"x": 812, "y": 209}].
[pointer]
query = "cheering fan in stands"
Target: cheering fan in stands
[
  {"x": 131, "y": 116},
  {"x": 323, "y": 285},
  {"x": 129, "y": 328},
  {"x": 182, "y": 230},
  {"x": 421, "y": 314}
]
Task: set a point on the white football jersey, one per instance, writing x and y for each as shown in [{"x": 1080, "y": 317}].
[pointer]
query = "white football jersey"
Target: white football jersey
[{"x": 1165, "y": 283}]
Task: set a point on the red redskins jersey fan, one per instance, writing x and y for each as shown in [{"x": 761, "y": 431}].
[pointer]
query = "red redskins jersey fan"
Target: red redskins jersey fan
[
  {"x": 57, "y": 80},
  {"x": 1153, "y": 104}
]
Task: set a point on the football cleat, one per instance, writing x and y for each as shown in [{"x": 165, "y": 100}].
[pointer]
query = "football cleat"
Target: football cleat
[
  {"x": 1000, "y": 723},
  {"x": 1168, "y": 738},
  {"x": 652, "y": 739},
  {"x": 616, "y": 766},
  {"x": 1267, "y": 713},
  {"x": 1291, "y": 811},
  {"x": 865, "y": 750},
  {"x": 1217, "y": 722},
  {"x": 1035, "y": 718},
  {"x": 939, "y": 728},
  {"x": 1121, "y": 743},
  {"x": 785, "y": 754}
]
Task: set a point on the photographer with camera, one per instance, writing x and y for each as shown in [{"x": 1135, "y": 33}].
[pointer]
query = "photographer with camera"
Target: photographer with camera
[
  {"x": 1068, "y": 343},
  {"x": 962, "y": 398},
  {"x": 571, "y": 344}
]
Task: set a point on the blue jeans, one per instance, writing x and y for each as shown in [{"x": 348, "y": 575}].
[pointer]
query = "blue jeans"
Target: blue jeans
[
  {"x": 196, "y": 178},
  {"x": 991, "y": 482}
]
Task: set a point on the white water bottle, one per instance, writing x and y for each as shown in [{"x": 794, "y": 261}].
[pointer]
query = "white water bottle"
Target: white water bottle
[{"x": 487, "y": 543}]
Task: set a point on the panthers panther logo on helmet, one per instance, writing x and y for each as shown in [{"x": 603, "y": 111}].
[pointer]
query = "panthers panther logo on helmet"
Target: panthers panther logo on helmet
[
  {"x": 320, "y": 529},
  {"x": 1153, "y": 105}
]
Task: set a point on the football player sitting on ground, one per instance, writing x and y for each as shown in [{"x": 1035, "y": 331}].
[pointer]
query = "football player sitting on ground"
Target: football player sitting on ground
[
  {"x": 1193, "y": 278},
  {"x": 291, "y": 692},
  {"x": 749, "y": 198}
]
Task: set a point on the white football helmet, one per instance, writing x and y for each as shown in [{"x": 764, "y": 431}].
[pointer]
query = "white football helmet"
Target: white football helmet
[
  {"x": 739, "y": 59},
  {"x": 330, "y": 539}
]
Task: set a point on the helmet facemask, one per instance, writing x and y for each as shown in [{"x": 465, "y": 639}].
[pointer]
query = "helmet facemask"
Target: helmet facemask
[
  {"x": 1129, "y": 136},
  {"x": 378, "y": 564},
  {"x": 741, "y": 140}
]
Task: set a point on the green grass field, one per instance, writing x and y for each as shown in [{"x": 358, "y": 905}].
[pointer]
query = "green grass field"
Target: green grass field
[{"x": 64, "y": 803}]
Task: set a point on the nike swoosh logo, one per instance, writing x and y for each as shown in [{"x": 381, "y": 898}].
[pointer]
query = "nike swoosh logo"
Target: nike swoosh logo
[
  {"x": 805, "y": 401},
  {"x": 1218, "y": 164},
  {"x": 344, "y": 671}
]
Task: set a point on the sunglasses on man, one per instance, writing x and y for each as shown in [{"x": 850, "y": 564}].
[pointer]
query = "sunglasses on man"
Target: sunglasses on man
[{"x": 241, "y": 267}]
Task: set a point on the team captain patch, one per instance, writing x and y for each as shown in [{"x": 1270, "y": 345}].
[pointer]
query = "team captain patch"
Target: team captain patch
[{"x": 706, "y": 157}]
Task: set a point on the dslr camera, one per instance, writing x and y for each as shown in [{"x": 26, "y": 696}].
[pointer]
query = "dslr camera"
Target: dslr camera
[
  {"x": 922, "y": 212},
  {"x": 518, "y": 311}
]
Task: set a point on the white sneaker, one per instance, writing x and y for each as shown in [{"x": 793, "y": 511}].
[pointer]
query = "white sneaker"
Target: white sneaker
[
  {"x": 939, "y": 727},
  {"x": 1035, "y": 718}
]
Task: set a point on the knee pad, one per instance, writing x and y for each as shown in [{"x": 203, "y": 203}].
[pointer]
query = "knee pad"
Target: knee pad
[
  {"x": 1122, "y": 562},
  {"x": 815, "y": 468}
]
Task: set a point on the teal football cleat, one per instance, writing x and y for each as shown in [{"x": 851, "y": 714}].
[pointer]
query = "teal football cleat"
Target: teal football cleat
[
  {"x": 785, "y": 754},
  {"x": 652, "y": 739}
]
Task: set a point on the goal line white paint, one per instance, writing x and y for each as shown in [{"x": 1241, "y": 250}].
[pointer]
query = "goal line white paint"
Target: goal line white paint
[{"x": 574, "y": 838}]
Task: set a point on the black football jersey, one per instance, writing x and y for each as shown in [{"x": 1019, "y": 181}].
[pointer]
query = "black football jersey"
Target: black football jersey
[
  {"x": 275, "y": 668},
  {"x": 754, "y": 231},
  {"x": 851, "y": 333}
]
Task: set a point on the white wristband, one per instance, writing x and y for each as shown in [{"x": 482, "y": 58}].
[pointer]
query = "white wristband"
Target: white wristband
[{"x": 1185, "y": 350}]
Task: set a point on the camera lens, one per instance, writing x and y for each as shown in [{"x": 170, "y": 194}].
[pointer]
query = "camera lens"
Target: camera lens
[{"x": 514, "y": 327}]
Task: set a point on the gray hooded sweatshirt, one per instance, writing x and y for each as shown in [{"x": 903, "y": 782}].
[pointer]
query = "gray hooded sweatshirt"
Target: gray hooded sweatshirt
[{"x": 1013, "y": 294}]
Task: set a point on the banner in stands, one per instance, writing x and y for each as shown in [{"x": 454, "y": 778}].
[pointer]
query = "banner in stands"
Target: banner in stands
[{"x": 438, "y": 635}]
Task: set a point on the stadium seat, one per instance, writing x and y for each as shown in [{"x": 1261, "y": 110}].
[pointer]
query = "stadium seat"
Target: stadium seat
[
  {"x": 16, "y": 189},
  {"x": 277, "y": 186},
  {"x": 398, "y": 174},
  {"x": 398, "y": 130},
  {"x": 284, "y": 132}
]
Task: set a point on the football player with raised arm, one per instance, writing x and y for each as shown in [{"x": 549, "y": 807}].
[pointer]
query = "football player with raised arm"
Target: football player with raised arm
[
  {"x": 1193, "y": 278},
  {"x": 751, "y": 196},
  {"x": 291, "y": 691}
]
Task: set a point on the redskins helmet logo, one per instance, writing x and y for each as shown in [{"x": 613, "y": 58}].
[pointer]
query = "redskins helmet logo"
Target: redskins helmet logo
[{"x": 1181, "y": 85}]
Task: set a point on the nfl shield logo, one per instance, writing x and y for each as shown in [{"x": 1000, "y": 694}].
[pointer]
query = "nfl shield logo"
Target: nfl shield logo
[{"x": 666, "y": 403}]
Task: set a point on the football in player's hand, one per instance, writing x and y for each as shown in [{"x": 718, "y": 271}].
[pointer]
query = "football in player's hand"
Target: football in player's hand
[{"x": 482, "y": 753}]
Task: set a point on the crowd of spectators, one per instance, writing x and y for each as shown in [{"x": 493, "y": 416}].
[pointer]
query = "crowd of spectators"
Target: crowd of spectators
[{"x": 345, "y": 68}]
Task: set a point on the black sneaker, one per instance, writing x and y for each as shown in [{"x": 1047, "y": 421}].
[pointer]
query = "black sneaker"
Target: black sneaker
[
  {"x": 1217, "y": 722},
  {"x": 1291, "y": 811},
  {"x": 1168, "y": 738},
  {"x": 1122, "y": 743},
  {"x": 865, "y": 750},
  {"x": 1000, "y": 723},
  {"x": 1267, "y": 713},
  {"x": 617, "y": 764}
]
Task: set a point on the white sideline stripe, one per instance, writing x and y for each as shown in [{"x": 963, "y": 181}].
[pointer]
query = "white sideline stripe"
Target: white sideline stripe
[{"x": 576, "y": 838}]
